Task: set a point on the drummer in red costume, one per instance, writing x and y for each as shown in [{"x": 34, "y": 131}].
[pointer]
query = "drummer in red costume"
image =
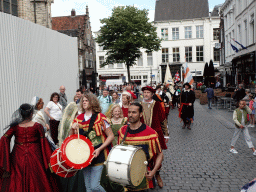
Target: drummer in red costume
[
  {"x": 143, "y": 136},
  {"x": 154, "y": 116},
  {"x": 101, "y": 137}
]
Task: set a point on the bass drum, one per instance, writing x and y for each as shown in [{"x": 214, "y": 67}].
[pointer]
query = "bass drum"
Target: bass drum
[{"x": 126, "y": 165}]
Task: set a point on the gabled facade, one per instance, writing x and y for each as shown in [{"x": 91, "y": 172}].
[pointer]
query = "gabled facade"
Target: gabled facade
[{"x": 79, "y": 26}]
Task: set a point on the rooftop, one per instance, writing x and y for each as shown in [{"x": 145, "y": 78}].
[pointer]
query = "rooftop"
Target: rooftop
[{"x": 181, "y": 9}]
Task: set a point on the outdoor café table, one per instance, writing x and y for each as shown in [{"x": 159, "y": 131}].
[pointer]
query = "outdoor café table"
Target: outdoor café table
[
  {"x": 231, "y": 101},
  {"x": 225, "y": 99}
]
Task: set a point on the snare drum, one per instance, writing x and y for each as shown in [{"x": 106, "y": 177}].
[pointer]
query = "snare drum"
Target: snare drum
[
  {"x": 75, "y": 153},
  {"x": 126, "y": 165}
]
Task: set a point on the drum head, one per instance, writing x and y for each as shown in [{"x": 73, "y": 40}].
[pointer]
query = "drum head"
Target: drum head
[
  {"x": 138, "y": 167},
  {"x": 77, "y": 153}
]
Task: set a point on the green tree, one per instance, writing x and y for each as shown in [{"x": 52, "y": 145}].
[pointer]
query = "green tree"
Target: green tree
[{"x": 124, "y": 33}]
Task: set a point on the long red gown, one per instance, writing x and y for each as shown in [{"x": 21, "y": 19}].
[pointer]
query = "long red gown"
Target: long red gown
[{"x": 28, "y": 162}]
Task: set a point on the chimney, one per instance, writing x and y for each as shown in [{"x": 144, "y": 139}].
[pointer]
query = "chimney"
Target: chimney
[
  {"x": 73, "y": 13},
  {"x": 87, "y": 10}
]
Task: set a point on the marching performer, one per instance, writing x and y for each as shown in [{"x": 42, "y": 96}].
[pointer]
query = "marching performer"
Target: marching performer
[
  {"x": 186, "y": 106},
  {"x": 142, "y": 135},
  {"x": 100, "y": 135},
  {"x": 26, "y": 167},
  {"x": 154, "y": 117}
]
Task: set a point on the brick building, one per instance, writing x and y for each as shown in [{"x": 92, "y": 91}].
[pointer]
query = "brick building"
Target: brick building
[
  {"x": 36, "y": 11},
  {"x": 79, "y": 26}
]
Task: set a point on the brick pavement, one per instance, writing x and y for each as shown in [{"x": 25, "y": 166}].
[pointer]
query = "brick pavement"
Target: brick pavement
[{"x": 199, "y": 160}]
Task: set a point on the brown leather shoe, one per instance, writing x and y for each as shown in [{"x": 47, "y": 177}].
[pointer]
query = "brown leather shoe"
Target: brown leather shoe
[{"x": 159, "y": 181}]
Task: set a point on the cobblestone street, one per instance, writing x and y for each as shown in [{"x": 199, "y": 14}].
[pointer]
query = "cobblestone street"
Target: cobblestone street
[{"x": 199, "y": 159}]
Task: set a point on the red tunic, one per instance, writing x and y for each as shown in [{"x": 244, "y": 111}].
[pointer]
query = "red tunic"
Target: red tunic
[
  {"x": 157, "y": 116},
  {"x": 28, "y": 162}
]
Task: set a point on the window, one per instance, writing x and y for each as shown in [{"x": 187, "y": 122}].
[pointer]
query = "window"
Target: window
[
  {"x": 111, "y": 66},
  {"x": 188, "y": 32},
  {"x": 86, "y": 63},
  {"x": 216, "y": 34},
  {"x": 119, "y": 65},
  {"x": 101, "y": 60},
  {"x": 14, "y": 8},
  {"x": 252, "y": 32},
  {"x": 164, "y": 34},
  {"x": 140, "y": 60},
  {"x": 90, "y": 64},
  {"x": 175, "y": 33},
  {"x": 80, "y": 61},
  {"x": 145, "y": 77},
  {"x": 165, "y": 55},
  {"x": 199, "y": 53},
  {"x": 150, "y": 59},
  {"x": 176, "y": 54},
  {"x": 188, "y": 54},
  {"x": 245, "y": 33},
  {"x": 239, "y": 33},
  {"x": 216, "y": 53},
  {"x": 199, "y": 31}
]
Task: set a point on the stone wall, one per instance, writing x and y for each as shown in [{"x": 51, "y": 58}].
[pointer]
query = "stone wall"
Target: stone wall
[{"x": 43, "y": 11}]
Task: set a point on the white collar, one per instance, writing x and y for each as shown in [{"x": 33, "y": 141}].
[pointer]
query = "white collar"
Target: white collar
[
  {"x": 186, "y": 90},
  {"x": 148, "y": 102}
]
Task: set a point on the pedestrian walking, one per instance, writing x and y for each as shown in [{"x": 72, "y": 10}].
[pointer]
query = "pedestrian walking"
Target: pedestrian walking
[
  {"x": 252, "y": 106},
  {"x": 54, "y": 111},
  {"x": 210, "y": 96},
  {"x": 139, "y": 134},
  {"x": 126, "y": 100},
  {"x": 239, "y": 94},
  {"x": 63, "y": 97},
  {"x": 154, "y": 117},
  {"x": 187, "y": 106},
  {"x": 240, "y": 119},
  {"x": 25, "y": 167},
  {"x": 115, "y": 98},
  {"x": 105, "y": 101},
  {"x": 79, "y": 95}
]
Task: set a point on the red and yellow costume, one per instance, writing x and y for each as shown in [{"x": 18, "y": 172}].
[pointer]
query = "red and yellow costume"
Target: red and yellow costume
[
  {"x": 146, "y": 138},
  {"x": 97, "y": 135}
]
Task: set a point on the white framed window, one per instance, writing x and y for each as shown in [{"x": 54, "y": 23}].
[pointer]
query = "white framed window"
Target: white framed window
[
  {"x": 165, "y": 55},
  {"x": 245, "y": 33},
  {"x": 176, "y": 54},
  {"x": 239, "y": 33},
  {"x": 216, "y": 53},
  {"x": 199, "y": 31},
  {"x": 199, "y": 53},
  {"x": 175, "y": 33},
  {"x": 140, "y": 60},
  {"x": 188, "y": 54},
  {"x": 188, "y": 32},
  {"x": 101, "y": 61},
  {"x": 150, "y": 59},
  {"x": 119, "y": 65},
  {"x": 164, "y": 34},
  {"x": 252, "y": 30},
  {"x": 145, "y": 77},
  {"x": 216, "y": 34}
]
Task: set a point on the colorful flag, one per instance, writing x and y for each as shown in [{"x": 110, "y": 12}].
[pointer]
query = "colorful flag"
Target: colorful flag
[
  {"x": 234, "y": 47},
  {"x": 177, "y": 77},
  {"x": 188, "y": 78},
  {"x": 243, "y": 47},
  {"x": 168, "y": 76}
]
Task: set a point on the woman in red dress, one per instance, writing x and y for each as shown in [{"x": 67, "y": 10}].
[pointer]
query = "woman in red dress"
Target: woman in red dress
[{"x": 25, "y": 169}]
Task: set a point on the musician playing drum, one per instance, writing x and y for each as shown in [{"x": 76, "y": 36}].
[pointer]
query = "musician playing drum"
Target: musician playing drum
[
  {"x": 100, "y": 135},
  {"x": 143, "y": 136}
]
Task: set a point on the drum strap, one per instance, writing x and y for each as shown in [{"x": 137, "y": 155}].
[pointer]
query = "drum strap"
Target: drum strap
[
  {"x": 93, "y": 119},
  {"x": 125, "y": 135}
]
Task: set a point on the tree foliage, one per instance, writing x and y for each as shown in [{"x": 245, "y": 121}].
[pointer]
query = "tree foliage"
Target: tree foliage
[{"x": 124, "y": 33}]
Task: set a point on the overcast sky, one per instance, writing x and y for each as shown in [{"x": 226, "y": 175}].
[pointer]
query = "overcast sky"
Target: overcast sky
[{"x": 99, "y": 9}]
